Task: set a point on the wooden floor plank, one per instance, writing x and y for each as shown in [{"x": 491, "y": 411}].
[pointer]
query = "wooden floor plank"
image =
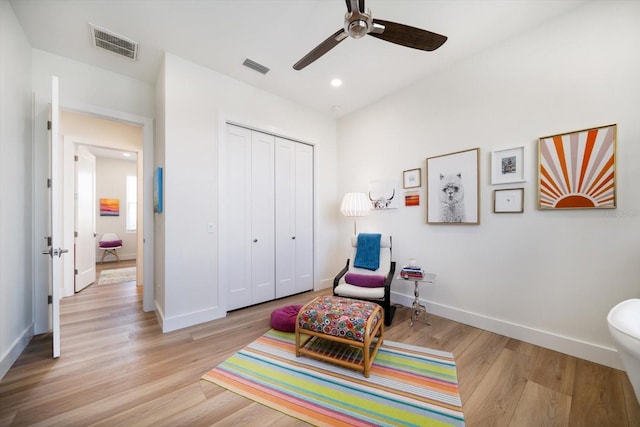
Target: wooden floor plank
[
  {"x": 632, "y": 403},
  {"x": 541, "y": 406},
  {"x": 118, "y": 368},
  {"x": 495, "y": 398},
  {"x": 211, "y": 412},
  {"x": 555, "y": 371},
  {"x": 477, "y": 359},
  {"x": 598, "y": 397},
  {"x": 253, "y": 414},
  {"x": 157, "y": 410}
]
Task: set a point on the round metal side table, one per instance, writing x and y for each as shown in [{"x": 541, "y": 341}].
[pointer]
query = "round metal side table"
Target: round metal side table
[{"x": 417, "y": 308}]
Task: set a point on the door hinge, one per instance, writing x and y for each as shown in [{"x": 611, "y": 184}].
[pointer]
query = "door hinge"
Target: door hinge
[
  {"x": 75, "y": 234},
  {"x": 50, "y": 299},
  {"x": 75, "y": 158},
  {"x": 48, "y": 124},
  {"x": 75, "y": 271},
  {"x": 48, "y": 182}
]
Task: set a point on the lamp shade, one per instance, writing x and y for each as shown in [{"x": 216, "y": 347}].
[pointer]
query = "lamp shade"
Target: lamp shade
[{"x": 355, "y": 204}]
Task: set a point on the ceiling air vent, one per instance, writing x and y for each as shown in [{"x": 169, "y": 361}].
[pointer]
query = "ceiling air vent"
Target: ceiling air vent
[
  {"x": 255, "y": 66},
  {"x": 114, "y": 43}
]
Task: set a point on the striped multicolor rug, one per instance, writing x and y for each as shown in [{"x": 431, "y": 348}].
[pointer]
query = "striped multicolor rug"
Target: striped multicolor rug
[{"x": 407, "y": 386}]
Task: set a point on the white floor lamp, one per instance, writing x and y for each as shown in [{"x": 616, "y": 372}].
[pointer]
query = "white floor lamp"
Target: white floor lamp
[{"x": 355, "y": 205}]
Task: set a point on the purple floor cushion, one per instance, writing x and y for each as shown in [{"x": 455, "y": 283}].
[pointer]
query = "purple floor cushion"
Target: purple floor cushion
[{"x": 284, "y": 318}]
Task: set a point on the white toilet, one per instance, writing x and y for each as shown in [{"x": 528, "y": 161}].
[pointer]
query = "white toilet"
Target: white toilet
[{"x": 624, "y": 325}]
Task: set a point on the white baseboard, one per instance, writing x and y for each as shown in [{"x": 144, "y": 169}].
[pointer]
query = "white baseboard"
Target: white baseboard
[
  {"x": 174, "y": 323},
  {"x": 324, "y": 284},
  {"x": 574, "y": 347},
  {"x": 159, "y": 314},
  {"x": 123, "y": 257},
  {"x": 15, "y": 350}
]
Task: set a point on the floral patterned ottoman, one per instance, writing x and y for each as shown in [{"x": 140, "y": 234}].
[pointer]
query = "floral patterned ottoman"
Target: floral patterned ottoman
[{"x": 340, "y": 330}]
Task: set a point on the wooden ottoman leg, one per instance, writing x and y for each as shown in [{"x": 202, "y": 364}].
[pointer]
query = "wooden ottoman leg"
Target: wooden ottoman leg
[
  {"x": 299, "y": 345},
  {"x": 368, "y": 354}
]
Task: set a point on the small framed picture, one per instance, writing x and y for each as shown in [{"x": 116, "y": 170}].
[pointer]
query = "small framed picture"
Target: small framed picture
[
  {"x": 507, "y": 166},
  {"x": 509, "y": 200},
  {"x": 412, "y": 178},
  {"x": 412, "y": 198},
  {"x": 109, "y": 207}
]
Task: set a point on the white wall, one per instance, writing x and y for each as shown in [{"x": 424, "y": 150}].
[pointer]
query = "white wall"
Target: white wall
[
  {"x": 16, "y": 250},
  {"x": 159, "y": 218},
  {"x": 111, "y": 182},
  {"x": 196, "y": 100},
  {"x": 547, "y": 277},
  {"x": 88, "y": 89}
]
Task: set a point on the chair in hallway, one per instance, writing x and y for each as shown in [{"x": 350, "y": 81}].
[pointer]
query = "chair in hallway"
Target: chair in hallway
[{"x": 109, "y": 244}]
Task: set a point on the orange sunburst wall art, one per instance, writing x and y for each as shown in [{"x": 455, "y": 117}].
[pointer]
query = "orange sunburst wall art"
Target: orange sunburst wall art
[{"x": 577, "y": 170}]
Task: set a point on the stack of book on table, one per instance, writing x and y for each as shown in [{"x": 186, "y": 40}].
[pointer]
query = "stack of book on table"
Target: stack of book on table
[{"x": 412, "y": 272}]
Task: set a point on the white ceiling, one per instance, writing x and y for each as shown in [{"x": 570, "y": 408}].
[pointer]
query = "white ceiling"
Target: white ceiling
[
  {"x": 110, "y": 153},
  {"x": 220, "y": 34}
]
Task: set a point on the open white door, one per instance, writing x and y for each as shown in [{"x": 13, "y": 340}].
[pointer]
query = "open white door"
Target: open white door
[
  {"x": 85, "y": 213},
  {"x": 55, "y": 251}
]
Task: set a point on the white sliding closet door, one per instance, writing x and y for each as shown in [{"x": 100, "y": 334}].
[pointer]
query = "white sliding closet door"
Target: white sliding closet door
[
  {"x": 304, "y": 218},
  {"x": 294, "y": 217},
  {"x": 285, "y": 196},
  {"x": 235, "y": 218},
  {"x": 262, "y": 217}
]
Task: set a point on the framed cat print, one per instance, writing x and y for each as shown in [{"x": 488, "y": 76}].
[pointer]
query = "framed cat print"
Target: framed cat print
[{"x": 453, "y": 188}]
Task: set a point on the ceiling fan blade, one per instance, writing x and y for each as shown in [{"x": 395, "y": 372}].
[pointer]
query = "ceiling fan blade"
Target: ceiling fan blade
[
  {"x": 358, "y": 3},
  {"x": 408, "y": 36},
  {"x": 321, "y": 49}
]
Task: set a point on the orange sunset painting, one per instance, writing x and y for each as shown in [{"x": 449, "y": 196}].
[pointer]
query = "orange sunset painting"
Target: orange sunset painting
[{"x": 109, "y": 207}]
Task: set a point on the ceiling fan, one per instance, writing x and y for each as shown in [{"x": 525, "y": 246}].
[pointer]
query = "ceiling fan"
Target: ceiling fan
[{"x": 358, "y": 22}]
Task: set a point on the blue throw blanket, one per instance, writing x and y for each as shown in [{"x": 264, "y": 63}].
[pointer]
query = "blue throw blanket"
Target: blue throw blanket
[{"x": 368, "y": 252}]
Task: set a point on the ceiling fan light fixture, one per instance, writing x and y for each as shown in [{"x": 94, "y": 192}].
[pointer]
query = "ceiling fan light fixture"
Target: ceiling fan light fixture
[
  {"x": 357, "y": 24},
  {"x": 357, "y": 29}
]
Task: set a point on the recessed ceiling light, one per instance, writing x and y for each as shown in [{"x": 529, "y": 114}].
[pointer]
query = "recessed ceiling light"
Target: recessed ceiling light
[
  {"x": 336, "y": 107},
  {"x": 336, "y": 82},
  {"x": 126, "y": 154}
]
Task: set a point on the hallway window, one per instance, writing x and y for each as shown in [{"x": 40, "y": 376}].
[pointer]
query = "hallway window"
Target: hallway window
[{"x": 132, "y": 203}]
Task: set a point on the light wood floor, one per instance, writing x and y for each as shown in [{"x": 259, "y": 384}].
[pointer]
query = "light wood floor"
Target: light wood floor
[
  {"x": 117, "y": 368},
  {"x": 114, "y": 264}
]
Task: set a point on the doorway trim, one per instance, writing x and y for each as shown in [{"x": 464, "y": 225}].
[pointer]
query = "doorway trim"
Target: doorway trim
[{"x": 145, "y": 163}]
